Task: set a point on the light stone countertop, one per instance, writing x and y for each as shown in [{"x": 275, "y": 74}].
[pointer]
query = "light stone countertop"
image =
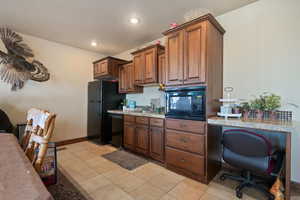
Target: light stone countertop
[
  {"x": 277, "y": 126},
  {"x": 146, "y": 114}
]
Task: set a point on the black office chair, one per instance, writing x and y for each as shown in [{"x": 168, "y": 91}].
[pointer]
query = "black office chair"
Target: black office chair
[{"x": 252, "y": 153}]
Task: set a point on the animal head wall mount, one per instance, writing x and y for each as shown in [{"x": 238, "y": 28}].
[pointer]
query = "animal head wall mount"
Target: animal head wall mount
[{"x": 18, "y": 65}]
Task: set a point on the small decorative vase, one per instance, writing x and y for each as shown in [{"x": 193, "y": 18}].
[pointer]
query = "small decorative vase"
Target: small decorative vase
[
  {"x": 246, "y": 115},
  {"x": 273, "y": 115},
  {"x": 259, "y": 114}
]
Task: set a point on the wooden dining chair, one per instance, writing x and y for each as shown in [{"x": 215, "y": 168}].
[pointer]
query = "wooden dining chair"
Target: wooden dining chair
[
  {"x": 37, "y": 136},
  {"x": 31, "y": 115}
]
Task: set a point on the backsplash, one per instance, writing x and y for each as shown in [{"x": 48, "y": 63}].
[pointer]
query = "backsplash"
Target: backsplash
[{"x": 143, "y": 99}]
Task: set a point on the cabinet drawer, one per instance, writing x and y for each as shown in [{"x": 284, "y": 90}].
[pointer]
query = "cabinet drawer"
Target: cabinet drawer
[
  {"x": 187, "y": 161},
  {"x": 186, "y": 125},
  {"x": 142, "y": 120},
  {"x": 157, "y": 122},
  {"x": 185, "y": 141},
  {"x": 129, "y": 118}
]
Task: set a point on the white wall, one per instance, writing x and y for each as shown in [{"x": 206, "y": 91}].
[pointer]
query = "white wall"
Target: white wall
[
  {"x": 64, "y": 94},
  {"x": 261, "y": 53},
  {"x": 143, "y": 99}
]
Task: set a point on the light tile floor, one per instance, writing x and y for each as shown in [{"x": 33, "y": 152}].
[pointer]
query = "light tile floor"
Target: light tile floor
[{"x": 100, "y": 179}]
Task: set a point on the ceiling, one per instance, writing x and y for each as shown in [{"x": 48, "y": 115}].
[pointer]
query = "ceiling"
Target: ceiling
[{"x": 78, "y": 22}]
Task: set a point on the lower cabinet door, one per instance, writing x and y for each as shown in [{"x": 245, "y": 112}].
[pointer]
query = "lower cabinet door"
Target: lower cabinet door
[
  {"x": 142, "y": 139},
  {"x": 157, "y": 143},
  {"x": 129, "y": 136}
]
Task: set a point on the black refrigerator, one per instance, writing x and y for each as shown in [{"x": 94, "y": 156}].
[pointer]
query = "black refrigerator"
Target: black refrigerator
[{"x": 102, "y": 96}]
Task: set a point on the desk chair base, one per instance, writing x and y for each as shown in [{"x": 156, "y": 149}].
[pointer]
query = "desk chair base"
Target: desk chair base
[{"x": 247, "y": 181}]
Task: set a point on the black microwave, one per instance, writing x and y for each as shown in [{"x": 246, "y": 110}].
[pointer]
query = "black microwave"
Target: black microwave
[{"x": 186, "y": 103}]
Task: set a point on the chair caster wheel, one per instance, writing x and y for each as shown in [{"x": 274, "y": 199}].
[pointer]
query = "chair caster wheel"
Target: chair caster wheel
[
  {"x": 239, "y": 194},
  {"x": 222, "y": 178}
]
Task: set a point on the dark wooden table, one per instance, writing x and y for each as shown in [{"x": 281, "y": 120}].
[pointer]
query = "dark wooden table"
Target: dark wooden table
[{"x": 18, "y": 179}]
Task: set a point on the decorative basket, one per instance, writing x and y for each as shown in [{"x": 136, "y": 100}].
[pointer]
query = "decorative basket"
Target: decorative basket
[{"x": 268, "y": 115}]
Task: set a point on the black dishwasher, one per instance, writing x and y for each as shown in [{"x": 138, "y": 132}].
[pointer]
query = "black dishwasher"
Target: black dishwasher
[{"x": 116, "y": 129}]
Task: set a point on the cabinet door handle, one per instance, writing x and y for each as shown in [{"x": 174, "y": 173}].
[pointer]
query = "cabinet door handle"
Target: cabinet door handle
[
  {"x": 182, "y": 160},
  {"x": 183, "y": 125},
  {"x": 183, "y": 140}
]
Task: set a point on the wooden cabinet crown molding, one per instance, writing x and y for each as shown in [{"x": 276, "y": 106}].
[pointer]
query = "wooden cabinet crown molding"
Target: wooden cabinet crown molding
[
  {"x": 110, "y": 57},
  {"x": 208, "y": 17},
  {"x": 149, "y": 47}
]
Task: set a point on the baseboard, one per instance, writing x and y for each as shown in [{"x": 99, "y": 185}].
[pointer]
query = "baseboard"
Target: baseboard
[{"x": 71, "y": 141}]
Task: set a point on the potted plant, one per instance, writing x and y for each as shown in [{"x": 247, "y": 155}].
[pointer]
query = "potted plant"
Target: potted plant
[
  {"x": 258, "y": 105},
  {"x": 272, "y": 103},
  {"x": 245, "y": 107}
]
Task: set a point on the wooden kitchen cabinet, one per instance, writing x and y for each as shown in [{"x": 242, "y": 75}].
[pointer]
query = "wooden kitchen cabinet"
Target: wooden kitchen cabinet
[
  {"x": 107, "y": 68},
  {"x": 142, "y": 139},
  {"x": 174, "y": 58},
  {"x": 162, "y": 68},
  {"x": 126, "y": 79},
  {"x": 145, "y": 64},
  {"x": 122, "y": 79},
  {"x": 195, "y": 53},
  {"x": 129, "y": 136},
  {"x": 138, "y": 67},
  {"x": 192, "y": 163},
  {"x": 157, "y": 143},
  {"x": 193, "y": 149},
  {"x": 151, "y": 68},
  {"x": 145, "y": 136},
  {"x": 193, "y": 50}
]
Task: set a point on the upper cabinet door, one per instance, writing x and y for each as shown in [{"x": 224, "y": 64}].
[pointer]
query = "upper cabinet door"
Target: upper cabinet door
[
  {"x": 96, "y": 69},
  {"x": 130, "y": 78},
  {"x": 126, "y": 80},
  {"x": 103, "y": 66},
  {"x": 122, "y": 79},
  {"x": 138, "y": 65},
  {"x": 162, "y": 69},
  {"x": 150, "y": 57},
  {"x": 195, "y": 54},
  {"x": 174, "y": 61}
]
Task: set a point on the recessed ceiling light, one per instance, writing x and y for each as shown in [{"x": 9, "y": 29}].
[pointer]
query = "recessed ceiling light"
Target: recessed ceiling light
[
  {"x": 94, "y": 43},
  {"x": 134, "y": 20}
]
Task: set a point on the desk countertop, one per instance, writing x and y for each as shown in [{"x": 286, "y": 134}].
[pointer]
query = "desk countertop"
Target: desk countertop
[{"x": 278, "y": 126}]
